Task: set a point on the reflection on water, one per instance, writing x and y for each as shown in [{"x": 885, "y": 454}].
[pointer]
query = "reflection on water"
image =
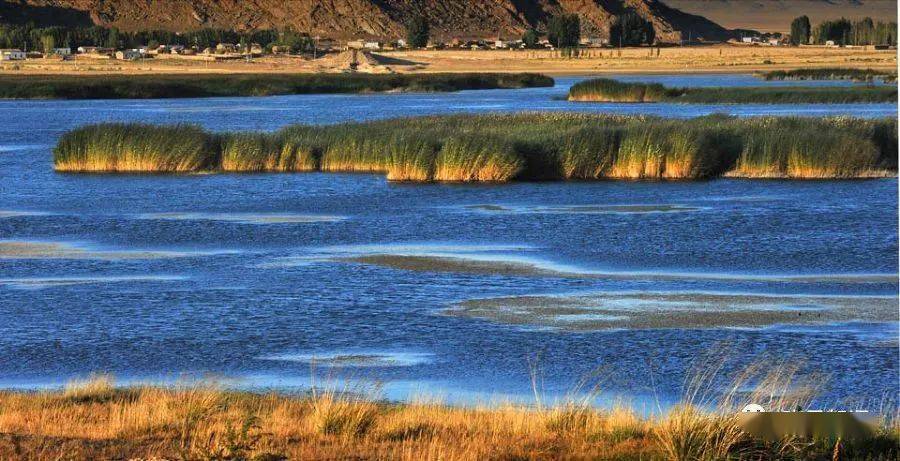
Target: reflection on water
[{"x": 248, "y": 278}]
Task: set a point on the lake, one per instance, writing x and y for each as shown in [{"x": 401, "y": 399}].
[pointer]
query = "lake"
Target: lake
[{"x": 457, "y": 291}]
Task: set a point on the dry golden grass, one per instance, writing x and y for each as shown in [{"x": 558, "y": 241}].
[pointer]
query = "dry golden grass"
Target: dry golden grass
[
  {"x": 690, "y": 59},
  {"x": 93, "y": 419}
]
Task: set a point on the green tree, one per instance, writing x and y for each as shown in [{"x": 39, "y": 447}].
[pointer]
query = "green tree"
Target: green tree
[
  {"x": 112, "y": 40},
  {"x": 417, "y": 32},
  {"x": 800, "y": 30},
  {"x": 838, "y": 31},
  {"x": 48, "y": 43},
  {"x": 630, "y": 29},
  {"x": 530, "y": 38},
  {"x": 564, "y": 31}
]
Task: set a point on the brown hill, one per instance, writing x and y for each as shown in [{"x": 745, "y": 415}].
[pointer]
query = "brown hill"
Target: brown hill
[
  {"x": 361, "y": 18},
  {"x": 776, "y": 15}
]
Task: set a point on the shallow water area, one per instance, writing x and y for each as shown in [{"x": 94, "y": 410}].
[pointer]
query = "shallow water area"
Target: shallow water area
[{"x": 248, "y": 278}]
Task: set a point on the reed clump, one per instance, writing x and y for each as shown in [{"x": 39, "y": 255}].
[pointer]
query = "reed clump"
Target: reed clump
[
  {"x": 499, "y": 148},
  {"x": 481, "y": 158},
  {"x": 270, "y": 84},
  {"x": 608, "y": 90},
  {"x": 810, "y": 148},
  {"x": 134, "y": 147}
]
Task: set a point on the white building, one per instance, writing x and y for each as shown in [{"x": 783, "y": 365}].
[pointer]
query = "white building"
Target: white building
[
  {"x": 11, "y": 54},
  {"x": 62, "y": 51},
  {"x": 129, "y": 55},
  {"x": 372, "y": 45}
]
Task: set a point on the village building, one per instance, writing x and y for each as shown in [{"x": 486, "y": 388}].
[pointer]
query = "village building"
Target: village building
[
  {"x": 62, "y": 51},
  {"x": 96, "y": 50},
  {"x": 129, "y": 55},
  {"x": 593, "y": 42},
  {"x": 11, "y": 54},
  {"x": 223, "y": 48}
]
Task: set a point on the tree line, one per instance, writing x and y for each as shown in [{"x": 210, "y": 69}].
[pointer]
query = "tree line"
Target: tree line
[
  {"x": 29, "y": 37},
  {"x": 843, "y": 32},
  {"x": 562, "y": 31}
]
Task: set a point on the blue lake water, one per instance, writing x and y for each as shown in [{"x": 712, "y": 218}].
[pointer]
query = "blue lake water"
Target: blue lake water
[{"x": 249, "y": 277}]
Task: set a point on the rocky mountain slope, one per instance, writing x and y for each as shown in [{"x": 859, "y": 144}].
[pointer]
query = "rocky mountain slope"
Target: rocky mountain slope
[{"x": 361, "y": 18}]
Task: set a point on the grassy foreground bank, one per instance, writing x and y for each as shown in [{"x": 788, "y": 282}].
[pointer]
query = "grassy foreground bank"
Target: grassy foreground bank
[
  {"x": 95, "y": 420},
  {"x": 200, "y": 85},
  {"x": 831, "y": 73},
  {"x": 608, "y": 90},
  {"x": 540, "y": 146}
]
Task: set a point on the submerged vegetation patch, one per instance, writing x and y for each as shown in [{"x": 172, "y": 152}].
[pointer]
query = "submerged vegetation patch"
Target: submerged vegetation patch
[
  {"x": 199, "y": 86},
  {"x": 608, "y": 90},
  {"x": 831, "y": 73},
  {"x": 499, "y": 148}
]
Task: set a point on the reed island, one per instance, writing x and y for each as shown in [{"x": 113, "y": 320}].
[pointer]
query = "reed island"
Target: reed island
[
  {"x": 500, "y": 148},
  {"x": 156, "y": 86},
  {"x": 609, "y": 90}
]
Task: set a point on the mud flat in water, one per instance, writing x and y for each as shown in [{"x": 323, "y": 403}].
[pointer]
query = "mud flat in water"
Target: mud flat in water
[
  {"x": 245, "y": 218},
  {"x": 50, "y": 282},
  {"x": 583, "y": 209},
  {"x": 607, "y": 311},
  {"x": 22, "y": 249},
  {"x": 511, "y": 265},
  {"x": 356, "y": 359}
]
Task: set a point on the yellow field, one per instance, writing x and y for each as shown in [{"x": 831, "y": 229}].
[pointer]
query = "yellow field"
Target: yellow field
[{"x": 696, "y": 59}]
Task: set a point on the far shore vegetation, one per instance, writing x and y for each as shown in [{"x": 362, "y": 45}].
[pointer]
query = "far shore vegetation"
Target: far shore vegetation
[
  {"x": 204, "y": 85},
  {"x": 609, "y": 90},
  {"x": 94, "y": 419},
  {"x": 499, "y": 148},
  {"x": 831, "y": 73}
]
